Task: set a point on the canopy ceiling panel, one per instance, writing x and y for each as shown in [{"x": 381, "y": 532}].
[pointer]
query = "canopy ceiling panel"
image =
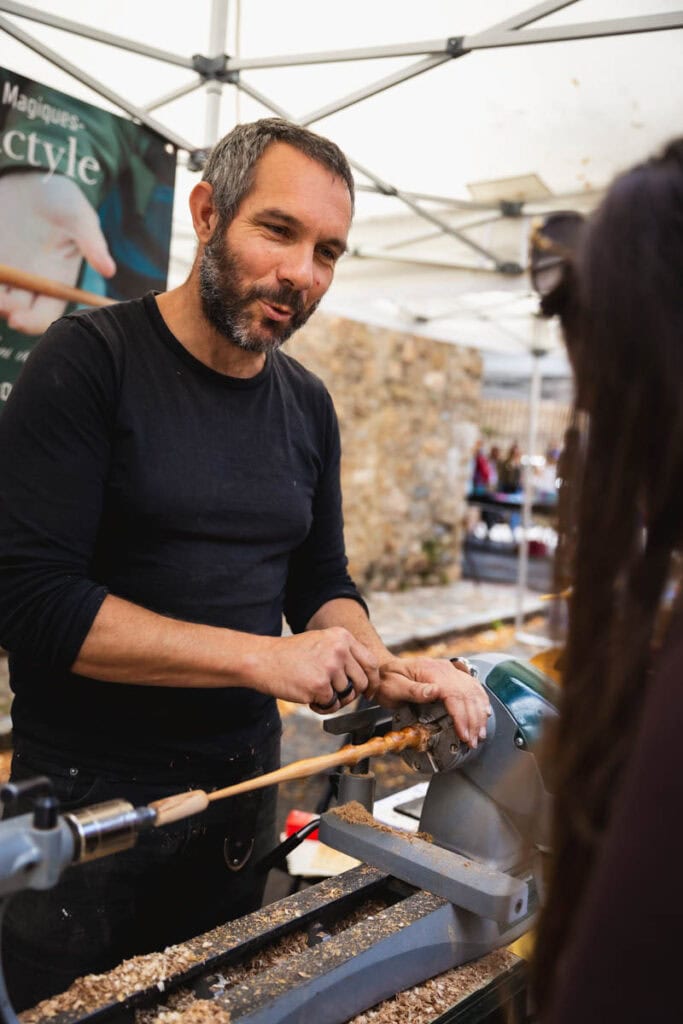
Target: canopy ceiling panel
[{"x": 501, "y": 114}]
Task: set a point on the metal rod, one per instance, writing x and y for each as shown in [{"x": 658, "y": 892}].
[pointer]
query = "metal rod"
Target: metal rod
[
  {"x": 261, "y": 98},
  {"x": 175, "y": 94},
  {"x": 427, "y": 214},
  {"x": 44, "y": 18},
  {"x": 102, "y": 90},
  {"x": 464, "y": 204},
  {"x": 503, "y": 34},
  {"x": 432, "y": 46},
  {"x": 567, "y": 33},
  {"x": 527, "y": 500},
  {"x": 427, "y": 236},
  {"x": 530, "y": 15},
  {"x": 374, "y": 88},
  {"x": 368, "y": 253},
  {"x": 214, "y": 88}
]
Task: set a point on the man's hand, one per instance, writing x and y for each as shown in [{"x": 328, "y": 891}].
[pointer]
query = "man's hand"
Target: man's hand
[
  {"x": 423, "y": 680},
  {"x": 49, "y": 227},
  {"x": 324, "y": 668}
]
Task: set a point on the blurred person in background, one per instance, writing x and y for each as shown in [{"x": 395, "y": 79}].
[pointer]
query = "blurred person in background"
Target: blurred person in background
[
  {"x": 545, "y": 476},
  {"x": 481, "y": 469},
  {"x": 608, "y": 942},
  {"x": 494, "y": 461},
  {"x": 510, "y": 471}
]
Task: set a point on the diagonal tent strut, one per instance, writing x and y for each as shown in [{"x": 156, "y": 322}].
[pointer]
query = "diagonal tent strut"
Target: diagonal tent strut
[
  {"x": 390, "y": 190},
  {"x": 102, "y": 90},
  {"x": 77, "y": 29}
]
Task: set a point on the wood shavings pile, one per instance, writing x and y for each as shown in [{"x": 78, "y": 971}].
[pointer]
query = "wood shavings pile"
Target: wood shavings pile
[
  {"x": 421, "y": 1004},
  {"x": 356, "y": 814},
  {"x": 202, "y": 1011},
  {"x": 96, "y": 990},
  {"x": 425, "y": 1002},
  {"x": 93, "y": 990},
  {"x": 184, "y": 1008}
]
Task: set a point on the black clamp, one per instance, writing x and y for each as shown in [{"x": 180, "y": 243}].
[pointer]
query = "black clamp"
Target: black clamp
[
  {"x": 197, "y": 158},
  {"x": 509, "y": 267},
  {"x": 45, "y": 804},
  {"x": 454, "y": 47},
  {"x": 210, "y": 67},
  {"x": 511, "y": 207},
  {"x": 386, "y": 190},
  {"x": 360, "y": 726}
]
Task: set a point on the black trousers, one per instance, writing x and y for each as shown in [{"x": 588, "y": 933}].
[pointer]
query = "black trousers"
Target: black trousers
[{"x": 177, "y": 882}]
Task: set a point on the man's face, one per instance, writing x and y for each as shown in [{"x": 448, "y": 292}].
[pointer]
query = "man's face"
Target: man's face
[{"x": 262, "y": 278}]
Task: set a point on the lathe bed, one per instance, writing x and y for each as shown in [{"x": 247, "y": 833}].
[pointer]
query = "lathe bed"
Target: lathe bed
[{"x": 338, "y": 937}]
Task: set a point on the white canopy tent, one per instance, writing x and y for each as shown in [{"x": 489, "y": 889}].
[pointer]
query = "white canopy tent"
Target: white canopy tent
[{"x": 456, "y": 141}]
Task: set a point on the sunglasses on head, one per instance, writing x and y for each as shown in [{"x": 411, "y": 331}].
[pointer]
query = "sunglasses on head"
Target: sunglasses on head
[{"x": 553, "y": 240}]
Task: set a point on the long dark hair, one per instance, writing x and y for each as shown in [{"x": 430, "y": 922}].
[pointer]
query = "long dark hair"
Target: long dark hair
[{"x": 624, "y": 328}]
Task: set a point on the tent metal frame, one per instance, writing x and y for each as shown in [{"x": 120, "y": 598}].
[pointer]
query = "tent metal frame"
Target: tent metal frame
[{"x": 216, "y": 69}]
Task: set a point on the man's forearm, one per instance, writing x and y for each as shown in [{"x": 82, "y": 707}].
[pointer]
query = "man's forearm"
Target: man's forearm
[{"x": 130, "y": 644}]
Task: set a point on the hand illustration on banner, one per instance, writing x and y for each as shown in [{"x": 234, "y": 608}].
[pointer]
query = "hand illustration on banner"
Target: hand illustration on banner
[{"x": 50, "y": 227}]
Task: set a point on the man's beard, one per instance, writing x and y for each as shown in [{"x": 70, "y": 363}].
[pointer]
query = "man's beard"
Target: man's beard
[{"x": 226, "y": 304}]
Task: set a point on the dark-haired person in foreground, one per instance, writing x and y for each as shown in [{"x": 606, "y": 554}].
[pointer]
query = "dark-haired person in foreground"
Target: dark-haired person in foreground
[
  {"x": 608, "y": 946},
  {"x": 170, "y": 488}
]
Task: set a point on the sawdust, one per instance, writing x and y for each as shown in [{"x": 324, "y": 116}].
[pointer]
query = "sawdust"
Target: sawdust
[
  {"x": 184, "y": 1008},
  {"x": 355, "y": 814},
  {"x": 424, "y": 1002},
  {"x": 291, "y": 945},
  {"x": 95, "y": 990}
]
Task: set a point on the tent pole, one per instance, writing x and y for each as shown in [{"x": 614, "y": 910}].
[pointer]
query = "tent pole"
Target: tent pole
[
  {"x": 538, "y": 351},
  {"x": 214, "y": 89}
]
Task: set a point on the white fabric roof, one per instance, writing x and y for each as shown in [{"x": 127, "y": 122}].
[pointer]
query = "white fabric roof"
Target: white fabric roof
[{"x": 562, "y": 117}]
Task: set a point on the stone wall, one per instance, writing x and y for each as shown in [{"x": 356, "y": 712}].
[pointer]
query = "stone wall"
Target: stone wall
[{"x": 408, "y": 410}]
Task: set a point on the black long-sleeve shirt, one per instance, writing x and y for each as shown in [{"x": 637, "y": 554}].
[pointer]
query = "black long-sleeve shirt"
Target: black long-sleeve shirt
[{"x": 129, "y": 467}]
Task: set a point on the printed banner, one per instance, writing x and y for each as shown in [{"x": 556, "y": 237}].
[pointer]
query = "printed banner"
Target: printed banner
[{"x": 86, "y": 200}]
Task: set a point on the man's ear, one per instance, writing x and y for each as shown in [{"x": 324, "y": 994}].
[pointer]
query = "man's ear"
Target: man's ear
[{"x": 203, "y": 210}]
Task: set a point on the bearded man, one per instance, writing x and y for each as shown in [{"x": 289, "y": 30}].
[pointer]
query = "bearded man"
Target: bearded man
[{"x": 170, "y": 489}]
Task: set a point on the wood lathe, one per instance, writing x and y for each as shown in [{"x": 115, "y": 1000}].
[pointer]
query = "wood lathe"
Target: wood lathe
[{"x": 418, "y": 906}]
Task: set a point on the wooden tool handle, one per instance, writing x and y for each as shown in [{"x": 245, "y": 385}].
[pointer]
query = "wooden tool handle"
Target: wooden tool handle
[
  {"x": 182, "y": 805},
  {"x": 46, "y": 286}
]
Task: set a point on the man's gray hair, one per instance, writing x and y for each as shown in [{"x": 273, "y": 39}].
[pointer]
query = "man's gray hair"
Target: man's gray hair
[{"x": 230, "y": 167}]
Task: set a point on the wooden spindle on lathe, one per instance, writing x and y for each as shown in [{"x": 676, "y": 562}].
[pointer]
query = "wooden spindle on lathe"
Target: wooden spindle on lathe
[{"x": 182, "y": 805}]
